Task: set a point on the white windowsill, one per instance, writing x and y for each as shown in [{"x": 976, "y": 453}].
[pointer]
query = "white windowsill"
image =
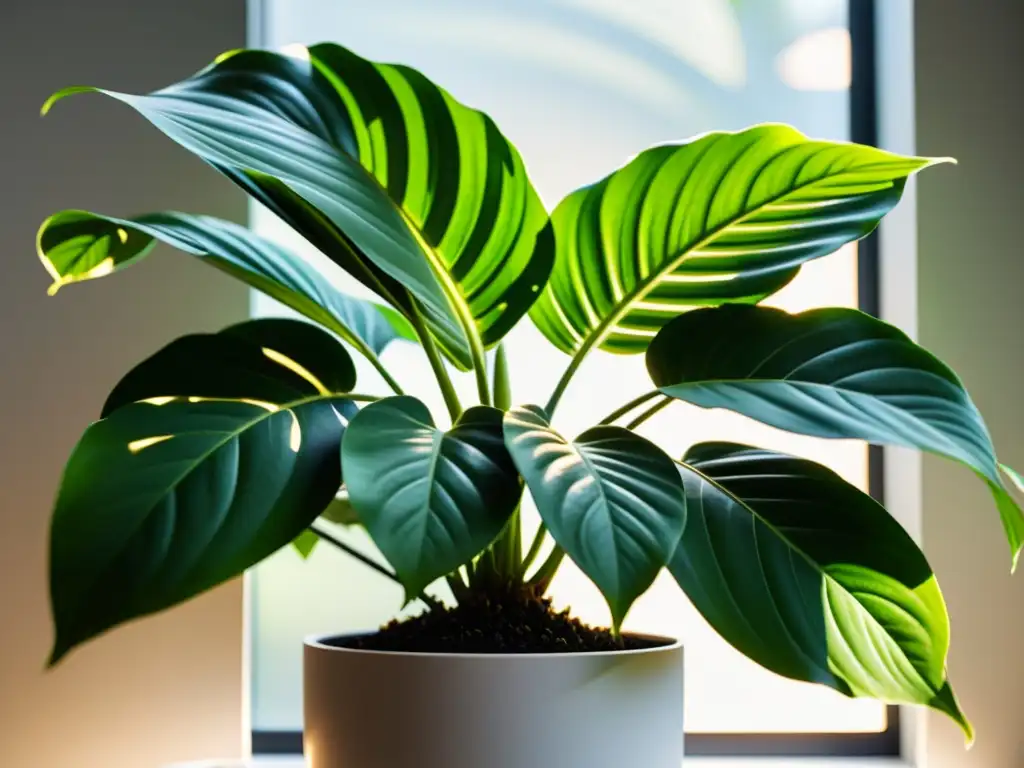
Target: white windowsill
[{"x": 691, "y": 762}]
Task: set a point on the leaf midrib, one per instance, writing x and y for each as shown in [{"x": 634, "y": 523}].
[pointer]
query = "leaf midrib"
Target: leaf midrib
[
  {"x": 813, "y": 563},
  {"x": 604, "y": 328}
]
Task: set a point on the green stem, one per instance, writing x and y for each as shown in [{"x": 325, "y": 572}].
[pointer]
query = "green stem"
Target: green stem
[
  {"x": 360, "y": 398},
  {"x": 534, "y": 550},
  {"x": 541, "y": 580},
  {"x": 563, "y": 382},
  {"x": 451, "y": 399},
  {"x": 657, "y": 407},
  {"x": 361, "y": 347},
  {"x": 508, "y": 547},
  {"x": 618, "y": 413},
  {"x": 429, "y": 601}
]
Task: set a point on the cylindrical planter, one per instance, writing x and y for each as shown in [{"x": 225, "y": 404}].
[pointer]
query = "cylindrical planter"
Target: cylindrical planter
[{"x": 375, "y": 709}]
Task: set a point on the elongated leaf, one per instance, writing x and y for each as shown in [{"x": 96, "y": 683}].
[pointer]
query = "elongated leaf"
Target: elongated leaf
[
  {"x": 431, "y": 500},
  {"x": 159, "y": 503},
  {"x": 811, "y": 578},
  {"x": 78, "y": 245},
  {"x": 418, "y": 196},
  {"x": 610, "y": 498},
  {"x": 726, "y": 217},
  {"x": 271, "y": 360},
  {"x": 833, "y": 373}
]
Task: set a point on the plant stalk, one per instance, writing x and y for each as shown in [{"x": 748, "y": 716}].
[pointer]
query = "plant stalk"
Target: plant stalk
[
  {"x": 541, "y": 580},
  {"x": 654, "y": 409},
  {"x": 534, "y": 550},
  {"x": 426, "y": 599},
  {"x": 618, "y": 413},
  {"x": 451, "y": 399}
]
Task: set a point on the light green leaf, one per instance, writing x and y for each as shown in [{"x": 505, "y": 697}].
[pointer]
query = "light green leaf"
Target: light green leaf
[
  {"x": 418, "y": 196},
  {"x": 160, "y": 503},
  {"x": 270, "y": 360},
  {"x": 726, "y": 217},
  {"x": 305, "y": 543},
  {"x": 430, "y": 500},
  {"x": 78, "y": 245},
  {"x": 832, "y": 373},
  {"x": 610, "y": 498},
  {"x": 811, "y": 578}
]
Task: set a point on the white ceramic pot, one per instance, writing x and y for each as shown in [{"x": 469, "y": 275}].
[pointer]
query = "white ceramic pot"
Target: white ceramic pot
[{"x": 373, "y": 709}]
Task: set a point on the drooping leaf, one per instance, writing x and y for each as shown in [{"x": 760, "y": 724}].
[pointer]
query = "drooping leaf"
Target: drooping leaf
[
  {"x": 305, "y": 543},
  {"x": 726, "y": 217},
  {"x": 418, "y": 196},
  {"x": 430, "y": 500},
  {"x": 832, "y": 373},
  {"x": 160, "y": 503},
  {"x": 811, "y": 578},
  {"x": 78, "y": 245},
  {"x": 610, "y": 498},
  {"x": 272, "y": 360}
]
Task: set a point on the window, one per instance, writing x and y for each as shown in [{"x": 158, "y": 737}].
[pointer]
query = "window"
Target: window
[{"x": 580, "y": 86}]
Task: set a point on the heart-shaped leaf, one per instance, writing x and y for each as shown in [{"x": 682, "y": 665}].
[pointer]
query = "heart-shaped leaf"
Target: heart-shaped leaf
[
  {"x": 610, "y": 498},
  {"x": 78, "y": 245},
  {"x": 811, "y": 578},
  {"x": 726, "y": 217},
  {"x": 159, "y": 503},
  {"x": 832, "y": 373},
  {"x": 418, "y": 196},
  {"x": 272, "y": 360},
  {"x": 305, "y": 543},
  {"x": 430, "y": 500}
]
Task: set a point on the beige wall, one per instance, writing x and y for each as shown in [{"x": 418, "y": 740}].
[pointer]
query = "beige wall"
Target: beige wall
[
  {"x": 970, "y": 60},
  {"x": 165, "y": 688}
]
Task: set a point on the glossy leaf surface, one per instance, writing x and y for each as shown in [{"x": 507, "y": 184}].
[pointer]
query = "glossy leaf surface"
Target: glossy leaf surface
[
  {"x": 78, "y": 245},
  {"x": 272, "y": 360},
  {"x": 160, "y": 503},
  {"x": 832, "y": 373},
  {"x": 811, "y": 578},
  {"x": 726, "y": 217},
  {"x": 610, "y": 498},
  {"x": 431, "y": 500},
  {"x": 418, "y": 196}
]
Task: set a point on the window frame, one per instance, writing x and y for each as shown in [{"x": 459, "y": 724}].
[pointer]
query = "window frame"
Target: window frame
[{"x": 863, "y": 130}]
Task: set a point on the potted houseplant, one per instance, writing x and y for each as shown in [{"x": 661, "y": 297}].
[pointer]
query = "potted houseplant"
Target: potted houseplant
[{"x": 223, "y": 447}]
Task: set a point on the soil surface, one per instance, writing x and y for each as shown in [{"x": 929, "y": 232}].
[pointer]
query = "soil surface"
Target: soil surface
[{"x": 496, "y": 625}]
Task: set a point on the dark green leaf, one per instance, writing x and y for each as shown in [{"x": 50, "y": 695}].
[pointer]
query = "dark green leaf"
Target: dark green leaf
[
  {"x": 726, "y": 217},
  {"x": 430, "y": 500},
  {"x": 418, "y": 196},
  {"x": 610, "y": 498},
  {"x": 78, "y": 245},
  {"x": 811, "y": 578},
  {"x": 272, "y": 360},
  {"x": 160, "y": 503},
  {"x": 832, "y": 373}
]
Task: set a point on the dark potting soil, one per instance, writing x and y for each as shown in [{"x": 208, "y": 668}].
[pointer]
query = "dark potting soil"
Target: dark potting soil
[{"x": 496, "y": 625}]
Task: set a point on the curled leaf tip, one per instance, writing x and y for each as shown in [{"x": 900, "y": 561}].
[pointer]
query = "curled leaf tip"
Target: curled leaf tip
[{"x": 54, "y": 98}]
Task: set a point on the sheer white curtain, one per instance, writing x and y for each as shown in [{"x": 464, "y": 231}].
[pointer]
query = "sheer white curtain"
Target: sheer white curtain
[{"x": 580, "y": 86}]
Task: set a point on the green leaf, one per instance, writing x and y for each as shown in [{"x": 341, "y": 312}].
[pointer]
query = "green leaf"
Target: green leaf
[
  {"x": 78, "y": 245},
  {"x": 305, "y": 543},
  {"x": 271, "y": 360},
  {"x": 610, "y": 498},
  {"x": 430, "y": 500},
  {"x": 160, "y": 503},
  {"x": 340, "y": 511},
  {"x": 832, "y": 373},
  {"x": 811, "y": 578},
  {"x": 726, "y": 217},
  {"x": 418, "y": 196}
]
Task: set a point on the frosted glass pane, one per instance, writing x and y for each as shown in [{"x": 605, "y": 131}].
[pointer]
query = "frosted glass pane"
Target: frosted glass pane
[{"x": 580, "y": 86}]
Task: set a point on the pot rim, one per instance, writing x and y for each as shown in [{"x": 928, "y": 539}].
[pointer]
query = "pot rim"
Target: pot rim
[{"x": 320, "y": 642}]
